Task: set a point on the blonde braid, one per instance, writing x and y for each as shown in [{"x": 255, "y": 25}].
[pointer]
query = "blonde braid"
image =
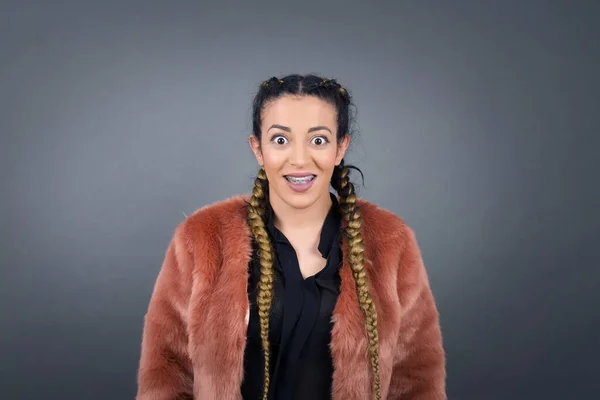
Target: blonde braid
[
  {"x": 256, "y": 221},
  {"x": 356, "y": 258}
]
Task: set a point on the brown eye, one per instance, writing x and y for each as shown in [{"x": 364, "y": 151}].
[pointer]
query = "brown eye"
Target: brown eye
[
  {"x": 319, "y": 141},
  {"x": 279, "y": 139}
]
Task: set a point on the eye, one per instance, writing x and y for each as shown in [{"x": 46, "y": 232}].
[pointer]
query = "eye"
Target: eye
[
  {"x": 320, "y": 140},
  {"x": 278, "y": 139}
]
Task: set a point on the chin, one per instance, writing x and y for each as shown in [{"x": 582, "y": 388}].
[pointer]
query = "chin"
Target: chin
[{"x": 301, "y": 201}]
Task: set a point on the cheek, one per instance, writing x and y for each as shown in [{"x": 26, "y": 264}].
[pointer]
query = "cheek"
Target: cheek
[
  {"x": 325, "y": 159},
  {"x": 273, "y": 161},
  {"x": 272, "y": 157}
]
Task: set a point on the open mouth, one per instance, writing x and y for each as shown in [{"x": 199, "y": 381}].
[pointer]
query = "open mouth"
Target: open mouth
[{"x": 300, "y": 180}]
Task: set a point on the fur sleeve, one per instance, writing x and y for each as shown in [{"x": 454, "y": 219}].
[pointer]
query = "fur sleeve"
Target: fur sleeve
[
  {"x": 165, "y": 371},
  {"x": 419, "y": 364}
]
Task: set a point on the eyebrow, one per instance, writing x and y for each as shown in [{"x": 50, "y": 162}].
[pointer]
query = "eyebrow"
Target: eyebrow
[{"x": 287, "y": 129}]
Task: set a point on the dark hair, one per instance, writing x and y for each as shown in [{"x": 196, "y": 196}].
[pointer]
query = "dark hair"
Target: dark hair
[{"x": 333, "y": 93}]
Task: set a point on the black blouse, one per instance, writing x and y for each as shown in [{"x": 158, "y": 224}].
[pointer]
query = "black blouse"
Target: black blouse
[{"x": 300, "y": 321}]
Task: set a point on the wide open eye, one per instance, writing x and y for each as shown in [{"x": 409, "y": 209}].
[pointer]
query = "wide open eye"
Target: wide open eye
[
  {"x": 279, "y": 139},
  {"x": 320, "y": 140}
]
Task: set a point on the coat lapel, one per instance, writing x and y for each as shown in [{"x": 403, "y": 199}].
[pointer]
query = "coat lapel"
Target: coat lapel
[{"x": 351, "y": 375}]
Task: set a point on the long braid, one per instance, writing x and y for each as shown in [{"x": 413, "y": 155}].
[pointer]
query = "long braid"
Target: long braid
[
  {"x": 351, "y": 214},
  {"x": 256, "y": 221}
]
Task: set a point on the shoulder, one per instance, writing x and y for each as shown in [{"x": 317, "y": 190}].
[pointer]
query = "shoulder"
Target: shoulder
[
  {"x": 382, "y": 224},
  {"x": 389, "y": 235},
  {"x": 388, "y": 232},
  {"x": 213, "y": 222}
]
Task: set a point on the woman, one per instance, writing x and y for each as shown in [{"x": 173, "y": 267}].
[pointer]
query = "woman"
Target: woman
[{"x": 293, "y": 292}]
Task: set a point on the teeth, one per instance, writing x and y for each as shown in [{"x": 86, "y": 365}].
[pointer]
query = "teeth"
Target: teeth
[{"x": 300, "y": 181}]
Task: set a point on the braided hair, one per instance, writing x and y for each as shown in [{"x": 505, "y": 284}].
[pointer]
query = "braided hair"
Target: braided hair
[{"x": 332, "y": 92}]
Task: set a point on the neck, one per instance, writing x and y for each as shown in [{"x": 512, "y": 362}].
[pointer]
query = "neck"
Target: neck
[{"x": 288, "y": 218}]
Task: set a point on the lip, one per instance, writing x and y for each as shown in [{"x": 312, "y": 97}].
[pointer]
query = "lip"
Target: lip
[
  {"x": 301, "y": 187},
  {"x": 300, "y": 174}
]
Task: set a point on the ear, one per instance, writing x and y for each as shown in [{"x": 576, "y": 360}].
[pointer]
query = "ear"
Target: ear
[
  {"x": 341, "y": 149},
  {"x": 255, "y": 146}
]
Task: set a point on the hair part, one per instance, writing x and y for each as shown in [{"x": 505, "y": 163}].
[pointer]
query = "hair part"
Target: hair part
[{"x": 333, "y": 93}]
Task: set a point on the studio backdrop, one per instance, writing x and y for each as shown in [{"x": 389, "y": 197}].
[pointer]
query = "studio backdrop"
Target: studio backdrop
[{"x": 477, "y": 122}]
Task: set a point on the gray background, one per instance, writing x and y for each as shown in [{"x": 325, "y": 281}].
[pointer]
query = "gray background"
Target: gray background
[{"x": 478, "y": 124}]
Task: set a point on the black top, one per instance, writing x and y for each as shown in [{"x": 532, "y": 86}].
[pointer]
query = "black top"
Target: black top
[{"x": 300, "y": 322}]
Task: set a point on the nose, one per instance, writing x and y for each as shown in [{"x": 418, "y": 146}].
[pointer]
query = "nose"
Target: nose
[{"x": 299, "y": 155}]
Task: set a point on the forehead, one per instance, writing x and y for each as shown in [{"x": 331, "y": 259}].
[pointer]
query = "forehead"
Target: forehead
[{"x": 299, "y": 112}]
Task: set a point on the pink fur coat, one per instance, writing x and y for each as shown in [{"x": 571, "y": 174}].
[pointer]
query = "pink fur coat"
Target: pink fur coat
[{"x": 195, "y": 328}]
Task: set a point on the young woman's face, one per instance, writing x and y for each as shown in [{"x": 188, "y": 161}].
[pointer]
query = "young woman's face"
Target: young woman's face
[{"x": 298, "y": 137}]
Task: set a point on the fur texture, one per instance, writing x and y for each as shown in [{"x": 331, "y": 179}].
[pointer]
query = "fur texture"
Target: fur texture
[{"x": 195, "y": 328}]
